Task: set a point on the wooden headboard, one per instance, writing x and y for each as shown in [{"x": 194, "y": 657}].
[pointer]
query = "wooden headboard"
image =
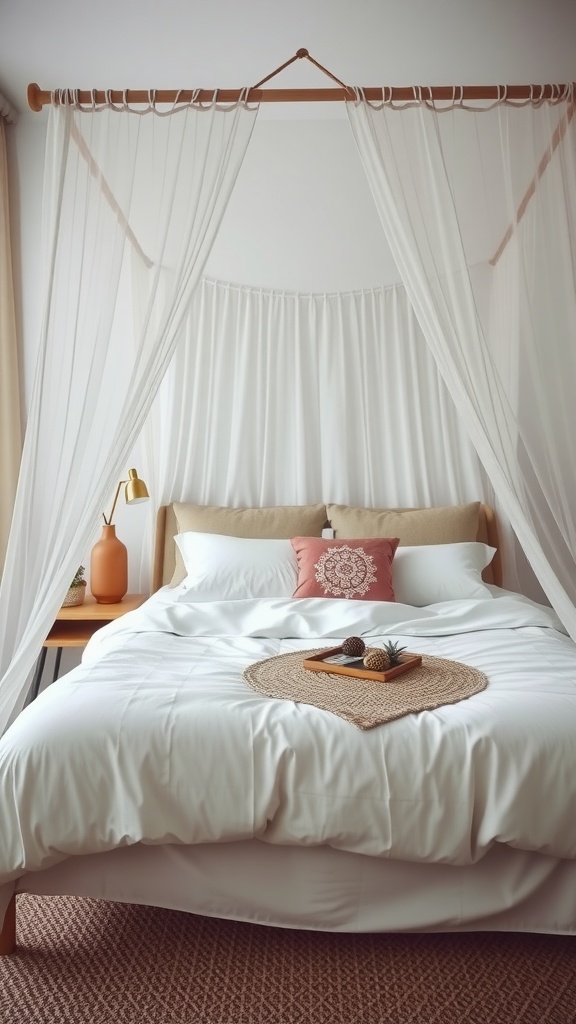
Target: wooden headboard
[
  {"x": 167, "y": 527},
  {"x": 488, "y": 534},
  {"x": 164, "y": 547}
]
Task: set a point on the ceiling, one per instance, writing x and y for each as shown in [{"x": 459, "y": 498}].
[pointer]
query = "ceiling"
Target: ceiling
[{"x": 232, "y": 43}]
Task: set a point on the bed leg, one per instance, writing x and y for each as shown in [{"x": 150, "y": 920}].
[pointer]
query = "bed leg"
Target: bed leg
[{"x": 8, "y": 931}]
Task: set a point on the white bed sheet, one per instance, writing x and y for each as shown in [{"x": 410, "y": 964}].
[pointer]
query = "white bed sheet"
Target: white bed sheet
[{"x": 155, "y": 739}]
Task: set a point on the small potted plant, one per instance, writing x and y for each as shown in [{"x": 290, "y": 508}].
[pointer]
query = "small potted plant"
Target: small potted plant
[{"x": 76, "y": 590}]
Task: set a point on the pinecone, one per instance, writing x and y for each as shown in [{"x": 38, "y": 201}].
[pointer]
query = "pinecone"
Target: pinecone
[
  {"x": 377, "y": 660},
  {"x": 354, "y": 647}
]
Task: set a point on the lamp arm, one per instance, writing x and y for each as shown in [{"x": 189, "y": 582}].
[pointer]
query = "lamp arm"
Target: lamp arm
[{"x": 109, "y": 521}]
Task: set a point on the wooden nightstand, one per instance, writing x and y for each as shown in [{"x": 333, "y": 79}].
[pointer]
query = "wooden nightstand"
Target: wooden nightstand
[{"x": 74, "y": 626}]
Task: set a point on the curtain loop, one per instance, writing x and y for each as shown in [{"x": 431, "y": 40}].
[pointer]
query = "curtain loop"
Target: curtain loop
[
  {"x": 178, "y": 99},
  {"x": 244, "y": 98},
  {"x": 110, "y": 103}
]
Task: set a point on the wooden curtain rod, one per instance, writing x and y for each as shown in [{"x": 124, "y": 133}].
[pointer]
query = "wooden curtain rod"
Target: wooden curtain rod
[{"x": 38, "y": 98}]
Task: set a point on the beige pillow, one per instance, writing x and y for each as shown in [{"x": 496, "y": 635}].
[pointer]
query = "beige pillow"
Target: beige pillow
[
  {"x": 450, "y": 525},
  {"x": 281, "y": 522}
]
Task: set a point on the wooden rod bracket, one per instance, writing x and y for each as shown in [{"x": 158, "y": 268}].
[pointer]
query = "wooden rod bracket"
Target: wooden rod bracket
[{"x": 33, "y": 94}]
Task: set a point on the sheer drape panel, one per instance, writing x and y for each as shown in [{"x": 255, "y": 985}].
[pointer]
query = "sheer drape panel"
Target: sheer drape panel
[
  {"x": 10, "y": 433},
  {"x": 418, "y": 172},
  {"x": 282, "y": 398},
  {"x": 539, "y": 335},
  {"x": 118, "y": 187}
]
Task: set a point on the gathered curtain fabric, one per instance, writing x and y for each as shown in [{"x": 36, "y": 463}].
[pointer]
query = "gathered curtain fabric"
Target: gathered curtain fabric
[
  {"x": 285, "y": 398},
  {"x": 479, "y": 211},
  {"x": 10, "y": 431},
  {"x": 127, "y": 196},
  {"x": 280, "y": 398}
]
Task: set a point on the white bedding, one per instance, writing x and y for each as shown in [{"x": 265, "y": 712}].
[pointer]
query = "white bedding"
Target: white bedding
[{"x": 156, "y": 739}]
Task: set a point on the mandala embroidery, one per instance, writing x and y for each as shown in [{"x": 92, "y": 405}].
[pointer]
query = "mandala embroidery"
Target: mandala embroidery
[{"x": 344, "y": 571}]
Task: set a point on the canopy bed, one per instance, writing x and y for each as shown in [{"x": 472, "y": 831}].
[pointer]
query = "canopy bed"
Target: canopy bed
[
  {"x": 475, "y": 856},
  {"x": 194, "y": 792}
]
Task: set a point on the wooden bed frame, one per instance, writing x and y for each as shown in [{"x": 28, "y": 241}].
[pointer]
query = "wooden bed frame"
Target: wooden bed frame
[{"x": 164, "y": 565}]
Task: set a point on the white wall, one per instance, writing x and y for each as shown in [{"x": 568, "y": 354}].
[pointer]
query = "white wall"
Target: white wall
[{"x": 302, "y": 217}]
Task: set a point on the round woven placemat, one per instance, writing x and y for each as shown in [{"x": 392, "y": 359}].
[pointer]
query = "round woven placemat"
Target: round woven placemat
[{"x": 364, "y": 702}]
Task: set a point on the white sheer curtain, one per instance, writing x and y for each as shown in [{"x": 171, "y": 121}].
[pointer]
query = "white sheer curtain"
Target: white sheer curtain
[
  {"x": 10, "y": 429},
  {"x": 447, "y": 185},
  {"x": 119, "y": 187},
  {"x": 281, "y": 398}
]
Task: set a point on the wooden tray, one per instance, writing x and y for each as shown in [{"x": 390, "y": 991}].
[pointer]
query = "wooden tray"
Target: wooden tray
[{"x": 318, "y": 663}]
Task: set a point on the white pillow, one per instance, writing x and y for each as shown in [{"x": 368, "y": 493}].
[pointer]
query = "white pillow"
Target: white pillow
[
  {"x": 221, "y": 568},
  {"x": 440, "y": 572}
]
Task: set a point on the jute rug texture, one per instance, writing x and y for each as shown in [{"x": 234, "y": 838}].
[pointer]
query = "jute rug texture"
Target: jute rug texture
[
  {"x": 365, "y": 702},
  {"x": 85, "y": 962}
]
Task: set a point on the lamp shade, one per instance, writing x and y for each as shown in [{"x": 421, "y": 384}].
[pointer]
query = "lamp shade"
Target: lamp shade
[{"x": 136, "y": 490}]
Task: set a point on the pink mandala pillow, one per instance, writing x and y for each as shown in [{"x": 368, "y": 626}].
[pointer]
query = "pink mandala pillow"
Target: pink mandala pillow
[{"x": 358, "y": 569}]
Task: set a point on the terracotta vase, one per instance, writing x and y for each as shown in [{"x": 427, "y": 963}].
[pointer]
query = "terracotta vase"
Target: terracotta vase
[{"x": 109, "y": 568}]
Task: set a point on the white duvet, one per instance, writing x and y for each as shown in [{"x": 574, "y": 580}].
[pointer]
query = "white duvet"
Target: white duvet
[{"x": 156, "y": 738}]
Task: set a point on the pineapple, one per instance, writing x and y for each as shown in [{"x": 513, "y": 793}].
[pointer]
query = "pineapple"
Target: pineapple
[
  {"x": 379, "y": 659},
  {"x": 393, "y": 650}
]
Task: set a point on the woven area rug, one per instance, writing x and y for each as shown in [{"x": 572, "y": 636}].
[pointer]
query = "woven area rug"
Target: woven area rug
[
  {"x": 85, "y": 962},
  {"x": 364, "y": 702}
]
